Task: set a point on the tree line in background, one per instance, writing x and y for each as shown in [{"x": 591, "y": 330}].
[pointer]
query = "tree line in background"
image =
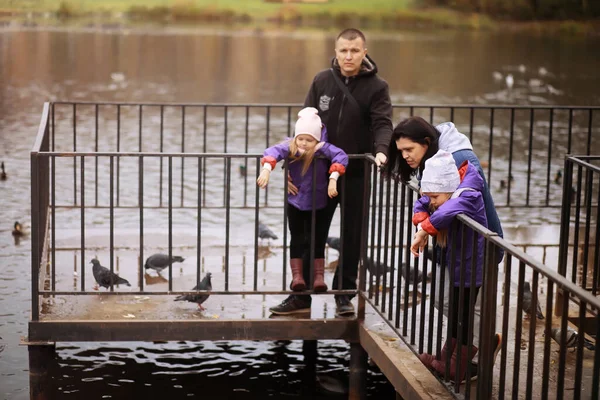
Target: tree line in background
[{"x": 525, "y": 9}]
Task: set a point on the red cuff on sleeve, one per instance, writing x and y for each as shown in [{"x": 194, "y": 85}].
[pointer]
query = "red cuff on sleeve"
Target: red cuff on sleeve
[
  {"x": 337, "y": 167},
  {"x": 419, "y": 217},
  {"x": 462, "y": 170},
  {"x": 427, "y": 227},
  {"x": 269, "y": 160}
]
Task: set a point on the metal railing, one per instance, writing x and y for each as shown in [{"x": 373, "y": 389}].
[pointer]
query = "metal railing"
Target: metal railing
[
  {"x": 51, "y": 177},
  {"x": 521, "y": 147},
  {"x": 579, "y": 253},
  {"x": 409, "y": 293},
  {"x": 191, "y": 171}
]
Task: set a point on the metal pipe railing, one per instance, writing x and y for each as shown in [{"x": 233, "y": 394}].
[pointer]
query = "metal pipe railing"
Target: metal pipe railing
[
  {"x": 422, "y": 324},
  {"x": 406, "y": 310},
  {"x": 516, "y": 179}
]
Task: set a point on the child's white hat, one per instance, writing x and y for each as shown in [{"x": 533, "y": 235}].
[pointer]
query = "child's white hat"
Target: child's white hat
[
  {"x": 440, "y": 174},
  {"x": 309, "y": 123}
]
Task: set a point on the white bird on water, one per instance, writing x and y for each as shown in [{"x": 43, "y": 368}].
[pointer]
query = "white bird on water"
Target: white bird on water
[
  {"x": 535, "y": 82},
  {"x": 522, "y": 68},
  {"x": 543, "y": 71},
  {"x": 510, "y": 81},
  {"x": 117, "y": 76}
]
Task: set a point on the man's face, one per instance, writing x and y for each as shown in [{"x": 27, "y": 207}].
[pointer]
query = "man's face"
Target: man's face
[{"x": 349, "y": 55}]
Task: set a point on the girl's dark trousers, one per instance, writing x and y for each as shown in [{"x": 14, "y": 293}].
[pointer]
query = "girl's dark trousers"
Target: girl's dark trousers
[
  {"x": 466, "y": 311},
  {"x": 300, "y": 228}
]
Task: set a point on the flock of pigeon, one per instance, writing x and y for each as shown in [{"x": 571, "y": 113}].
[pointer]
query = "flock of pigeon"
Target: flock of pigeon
[{"x": 157, "y": 262}]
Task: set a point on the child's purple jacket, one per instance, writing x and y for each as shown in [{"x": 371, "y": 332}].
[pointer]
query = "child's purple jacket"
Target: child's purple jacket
[
  {"x": 470, "y": 203},
  {"x": 303, "y": 200}
]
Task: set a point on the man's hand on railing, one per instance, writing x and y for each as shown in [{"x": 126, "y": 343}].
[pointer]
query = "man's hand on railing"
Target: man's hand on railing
[{"x": 380, "y": 160}]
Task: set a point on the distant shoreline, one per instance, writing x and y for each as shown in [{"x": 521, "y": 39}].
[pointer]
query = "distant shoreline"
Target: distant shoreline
[{"x": 399, "y": 20}]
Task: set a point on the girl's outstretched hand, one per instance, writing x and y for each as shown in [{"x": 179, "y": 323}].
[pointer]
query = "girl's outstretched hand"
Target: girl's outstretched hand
[
  {"x": 332, "y": 188},
  {"x": 263, "y": 178},
  {"x": 419, "y": 242}
]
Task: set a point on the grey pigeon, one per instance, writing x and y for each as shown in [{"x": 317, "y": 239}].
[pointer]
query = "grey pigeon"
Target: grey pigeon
[
  {"x": 158, "y": 262},
  {"x": 372, "y": 266},
  {"x": 409, "y": 273},
  {"x": 410, "y": 276},
  {"x": 205, "y": 284},
  {"x": 334, "y": 243},
  {"x": 265, "y": 233},
  {"x": 104, "y": 277},
  {"x": 528, "y": 299},
  {"x": 572, "y": 338}
]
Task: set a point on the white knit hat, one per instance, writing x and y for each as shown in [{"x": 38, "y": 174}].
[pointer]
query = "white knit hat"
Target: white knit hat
[
  {"x": 309, "y": 123},
  {"x": 440, "y": 174}
]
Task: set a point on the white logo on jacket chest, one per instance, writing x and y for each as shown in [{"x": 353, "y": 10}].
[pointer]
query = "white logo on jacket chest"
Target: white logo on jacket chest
[{"x": 324, "y": 102}]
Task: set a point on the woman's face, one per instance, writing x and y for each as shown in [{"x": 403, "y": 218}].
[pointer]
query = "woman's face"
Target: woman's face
[{"x": 412, "y": 152}]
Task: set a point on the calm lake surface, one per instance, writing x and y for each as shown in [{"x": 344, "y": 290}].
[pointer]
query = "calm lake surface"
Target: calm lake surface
[{"x": 242, "y": 66}]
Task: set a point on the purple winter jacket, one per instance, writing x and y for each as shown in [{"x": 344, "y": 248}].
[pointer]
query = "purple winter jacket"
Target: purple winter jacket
[
  {"x": 303, "y": 200},
  {"x": 468, "y": 202}
]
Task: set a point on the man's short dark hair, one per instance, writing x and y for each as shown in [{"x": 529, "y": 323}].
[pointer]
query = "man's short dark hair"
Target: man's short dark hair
[{"x": 351, "y": 34}]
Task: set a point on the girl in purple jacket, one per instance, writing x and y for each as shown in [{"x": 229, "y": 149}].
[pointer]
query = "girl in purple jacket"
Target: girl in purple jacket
[
  {"x": 447, "y": 192},
  {"x": 308, "y": 143}
]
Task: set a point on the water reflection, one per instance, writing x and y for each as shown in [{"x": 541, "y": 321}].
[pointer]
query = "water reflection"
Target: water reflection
[{"x": 205, "y": 370}]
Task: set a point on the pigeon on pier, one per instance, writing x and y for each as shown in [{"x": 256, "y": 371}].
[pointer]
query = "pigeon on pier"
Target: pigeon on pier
[
  {"x": 104, "y": 277},
  {"x": 158, "y": 261},
  {"x": 334, "y": 243},
  {"x": 264, "y": 232},
  {"x": 205, "y": 284},
  {"x": 527, "y": 301},
  {"x": 572, "y": 338},
  {"x": 409, "y": 273},
  {"x": 373, "y": 266}
]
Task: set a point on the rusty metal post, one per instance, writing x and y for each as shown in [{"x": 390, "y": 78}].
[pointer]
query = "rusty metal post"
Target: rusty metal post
[
  {"x": 358, "y": 372},
  {"x": 565, "y": 218},
  {"x": 42, "y": 358}
]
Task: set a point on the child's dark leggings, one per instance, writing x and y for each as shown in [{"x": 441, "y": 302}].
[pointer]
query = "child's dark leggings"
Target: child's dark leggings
[
  {"x": 466, "y": 311},
  {"x": 300, "y": 222}
]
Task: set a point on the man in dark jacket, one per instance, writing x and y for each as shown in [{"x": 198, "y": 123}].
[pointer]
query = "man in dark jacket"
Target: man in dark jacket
[{"x": 358, "y": 120}]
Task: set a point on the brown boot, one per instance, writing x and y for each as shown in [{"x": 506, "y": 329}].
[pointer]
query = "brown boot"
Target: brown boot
[
  {"x": 448, "y": 348},
  {"x": 319, "y": 284},
  {"x": 461, "y": 358},
  {"x": 298, "y": 284}
]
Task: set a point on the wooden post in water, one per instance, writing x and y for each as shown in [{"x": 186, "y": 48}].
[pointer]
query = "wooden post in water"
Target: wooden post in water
[
  {"x": 358, "y": 372},
  {"x": 309, "y": 350},
  {"x": 42, "y": 358}
]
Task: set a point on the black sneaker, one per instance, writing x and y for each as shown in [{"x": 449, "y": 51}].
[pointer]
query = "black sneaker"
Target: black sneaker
[
  {"x": 291, "y": 305},
  {"x": 343, "y": 306}
]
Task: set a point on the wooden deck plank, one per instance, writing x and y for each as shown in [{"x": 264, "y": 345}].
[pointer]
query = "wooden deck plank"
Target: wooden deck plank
[
  {"x": 274, "y": 329},
  {"x": 411, "y": 379}
]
